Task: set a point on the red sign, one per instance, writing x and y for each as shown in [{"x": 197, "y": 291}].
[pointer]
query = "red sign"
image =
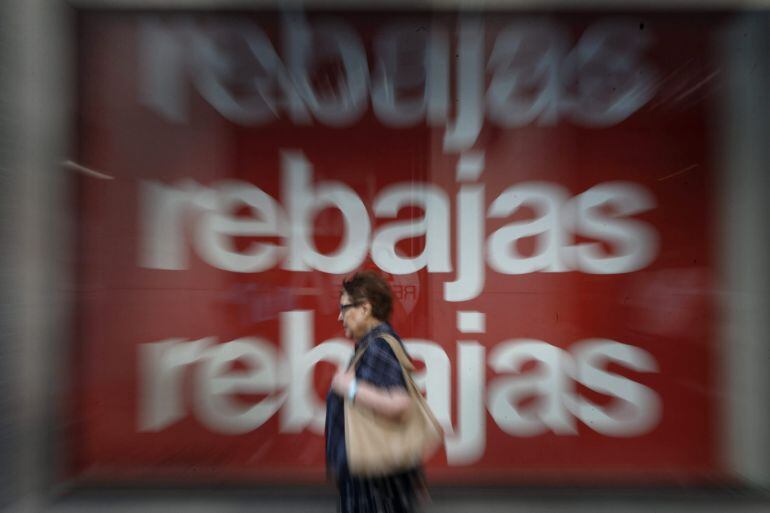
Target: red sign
[{"x": 538, "y": 190}]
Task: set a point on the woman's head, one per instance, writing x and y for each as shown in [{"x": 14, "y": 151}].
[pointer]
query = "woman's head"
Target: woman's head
[{"x": 365, "y": 301}]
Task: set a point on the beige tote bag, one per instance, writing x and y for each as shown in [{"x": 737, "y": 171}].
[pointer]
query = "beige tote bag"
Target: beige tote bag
[{"x": 377, "y": 445}]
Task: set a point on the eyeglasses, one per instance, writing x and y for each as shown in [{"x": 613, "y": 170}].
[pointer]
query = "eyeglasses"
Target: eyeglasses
[{"x": 344, "y": 308}]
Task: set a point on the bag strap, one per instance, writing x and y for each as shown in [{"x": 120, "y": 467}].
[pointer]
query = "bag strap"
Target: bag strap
[
  {"x": 356, "y": 357},
  {"x": 407, "y": 367},
  {"x": 404, "y": 361},
  {"x": 398, "y": 350}
]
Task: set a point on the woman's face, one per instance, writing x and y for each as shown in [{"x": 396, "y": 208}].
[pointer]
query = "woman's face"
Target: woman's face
[{"x": 354, "y": 317}]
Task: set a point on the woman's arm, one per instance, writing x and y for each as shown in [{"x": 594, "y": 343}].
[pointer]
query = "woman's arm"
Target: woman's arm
[{"x": 390, "y": 402}]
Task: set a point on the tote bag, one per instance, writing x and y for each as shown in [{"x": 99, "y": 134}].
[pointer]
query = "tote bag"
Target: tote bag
[{"x": 377, "y": 445}]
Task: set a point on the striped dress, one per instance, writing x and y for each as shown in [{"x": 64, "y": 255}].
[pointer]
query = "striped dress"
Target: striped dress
[{"x": 396, "y": 493}]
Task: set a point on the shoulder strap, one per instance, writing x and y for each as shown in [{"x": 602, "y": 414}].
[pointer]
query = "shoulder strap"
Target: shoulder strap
[
  {"x": 356, "y": 357},
  {"x": 398, "y": 350},
  {"x": 407, "y": 367}
]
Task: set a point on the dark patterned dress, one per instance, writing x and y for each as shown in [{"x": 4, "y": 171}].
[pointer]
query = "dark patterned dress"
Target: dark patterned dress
[{"x": 396, "y": 493}]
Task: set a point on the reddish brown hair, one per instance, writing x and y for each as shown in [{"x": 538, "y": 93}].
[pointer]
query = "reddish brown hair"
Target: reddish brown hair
[{"x": 370, "y": 286}]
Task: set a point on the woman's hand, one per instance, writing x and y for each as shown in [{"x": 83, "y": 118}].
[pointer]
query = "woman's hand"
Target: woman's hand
[{"x": 341, "y": 382}]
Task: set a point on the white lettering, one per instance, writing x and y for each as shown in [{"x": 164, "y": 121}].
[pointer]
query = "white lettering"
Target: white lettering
[
  {"x": 533, "y": 75},
  {"x": 635, "y": 243},
  {"x": 160, "y": 373},
  {"x": 303, "y": 407},
  {"x": 218, "y": 228},
  {"x": 548, "y": 383},
  {"x": 602, "y": 213},
  {"x": 637, "y": 408},
  {"x": 285, "y": 379},
  {"x": 434, "y": 226},
  {"x": 216, "y": 382},
  {"x": 546, "y": 200},
  {"x": 303, "y": 203}
]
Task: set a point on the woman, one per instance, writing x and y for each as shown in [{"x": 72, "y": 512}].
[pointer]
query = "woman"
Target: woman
[{"x": 377, "y": 382}]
